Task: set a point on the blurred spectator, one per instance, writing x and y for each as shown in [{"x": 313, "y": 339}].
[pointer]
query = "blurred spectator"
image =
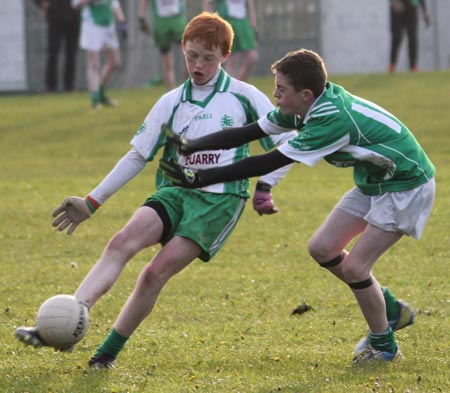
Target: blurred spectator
[
  {"x": 168, "y": 24},
  {"x": 63, "y": 27},
  {"x": 241, "y": 15},
  {"x": 99, "y": 36},
  {"x": 404, "y": 16}
]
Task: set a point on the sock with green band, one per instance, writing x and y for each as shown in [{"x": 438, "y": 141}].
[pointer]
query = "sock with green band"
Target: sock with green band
[
  {"x": 392, "y": 306},
  {"x": 113, "y": 344},
  {"x": 384, "y": 341}
]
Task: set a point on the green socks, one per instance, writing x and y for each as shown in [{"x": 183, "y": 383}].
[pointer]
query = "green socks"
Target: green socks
[
  {"x": 95, "y": 98},
  {"x": 98, "y": 97},
  {"x": 101, "y": 93},
  {"x": 384, "y": 341},
  {"x": 392, "y": 306},
  {"x": 112, "y": 345}
]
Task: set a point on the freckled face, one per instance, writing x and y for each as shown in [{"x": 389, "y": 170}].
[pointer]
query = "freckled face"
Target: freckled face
[{"x": 202, "y": 63}]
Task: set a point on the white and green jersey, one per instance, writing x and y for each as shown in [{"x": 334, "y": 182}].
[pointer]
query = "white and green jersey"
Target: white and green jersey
[
  {"x": 234, "y": 9},
  {"x": 167, "y": 8},
  {"x": 194, "y": 111},
  {"x": 99, "y": 12},
  {"x": 348, "y": 131}
]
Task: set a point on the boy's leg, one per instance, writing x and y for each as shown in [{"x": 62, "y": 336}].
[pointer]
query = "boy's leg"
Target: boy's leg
[
  {"x": 357, "y": 271},
  {"x": 326, "y": 247},
  {"x": 249, "y": 60},
  {"x": 93, "y": 76},
  {"x": 142, "y": 230},
  {"x": 177, "y": 254},
  {"x": 111, "y": 65}
]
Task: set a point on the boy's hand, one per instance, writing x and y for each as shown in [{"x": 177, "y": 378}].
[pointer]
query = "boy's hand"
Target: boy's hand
[
  {"x": 180, "y": 141},
  {"x": 180, "y": 175},
  {"x": 262, "y": 199},
  {"x": 123, "y": 30},
  {"x": 71, "y": 213},
  {"x": 143, "y": 26}
]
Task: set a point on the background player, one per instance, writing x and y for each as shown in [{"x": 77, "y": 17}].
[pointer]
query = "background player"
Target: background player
[
  {"x": 189, "y": 223},
  {"x": 394, "y": 180},
  {"x": 168, "y": 24},
  {"x": 98, "y": 35},
  {"x": 241, "y": 15}
]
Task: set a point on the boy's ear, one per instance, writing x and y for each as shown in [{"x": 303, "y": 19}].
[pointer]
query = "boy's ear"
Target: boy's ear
[
  {"x": 307, "y": 94},
  {"x": 225, "y": 57}
]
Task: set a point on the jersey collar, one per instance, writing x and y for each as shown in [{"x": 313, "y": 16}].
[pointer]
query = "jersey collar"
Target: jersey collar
[
  {"x": 221, "y": 85},
  {"x": 308, "y": 114}
]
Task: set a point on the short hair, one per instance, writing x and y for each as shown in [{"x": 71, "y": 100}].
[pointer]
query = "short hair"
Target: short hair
[
  {"x": 305, "y": 69},
  {"x": 210, "y": 29}
]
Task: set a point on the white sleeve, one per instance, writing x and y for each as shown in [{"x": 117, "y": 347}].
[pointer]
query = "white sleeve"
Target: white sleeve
[
  {"x": 273, "y": 178},
  {"x": 148, "y": 139},
  {"x": 270, "y": 128},
  {"x": 126, "y": 169}
]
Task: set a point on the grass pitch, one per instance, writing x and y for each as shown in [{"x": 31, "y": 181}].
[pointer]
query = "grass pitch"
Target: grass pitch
[{"x": 224, "y": 326}]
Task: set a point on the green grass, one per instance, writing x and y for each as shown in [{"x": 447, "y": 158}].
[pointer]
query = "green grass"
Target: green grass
[{"x": 224, "y": 326}]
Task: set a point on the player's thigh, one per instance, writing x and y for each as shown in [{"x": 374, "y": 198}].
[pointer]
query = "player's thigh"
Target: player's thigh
[
  {"x": 178, "y": 253},
  {"x": 113, "y": 56},
  {"x": 372, "y": 243},
  {"x": 144, "y": 229},
  {"x": 93, "y": 60},
  {"x": 338, "y": 229}
]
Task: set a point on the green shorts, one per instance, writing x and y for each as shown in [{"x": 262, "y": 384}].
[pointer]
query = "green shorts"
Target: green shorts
[
  {"x": 244, "y": 35},
  {"x": 168, "y": 31},
  {"x": 204, "y": 217}
]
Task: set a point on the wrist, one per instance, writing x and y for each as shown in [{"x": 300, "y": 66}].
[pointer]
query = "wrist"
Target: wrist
[
  {"x": 263, "y": 187},
  {"x": 93, "y": 205}
]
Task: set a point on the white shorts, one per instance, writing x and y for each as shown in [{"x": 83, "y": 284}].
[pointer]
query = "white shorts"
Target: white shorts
[
  {"x": 406, "y": 212},
  {"x": 95, "y": 38}
]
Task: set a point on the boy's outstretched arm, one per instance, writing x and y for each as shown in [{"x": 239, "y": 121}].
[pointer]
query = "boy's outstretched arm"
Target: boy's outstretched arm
[
  {"x": 225, "y": 139},
  {"x": 248, "y": 167}
]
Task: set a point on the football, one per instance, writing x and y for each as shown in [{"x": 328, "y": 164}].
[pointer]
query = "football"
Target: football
[{"x": 62, "y": 321}]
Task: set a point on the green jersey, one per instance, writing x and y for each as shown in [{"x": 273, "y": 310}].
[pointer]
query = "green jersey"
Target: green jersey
[
  {"x": 168, "y": 22},
  {"x": 232, "y": 9},
  {"x": 167, "y": 8},
  {"x": 349, "y": 131},
  {"x": 99, "y": 12}
]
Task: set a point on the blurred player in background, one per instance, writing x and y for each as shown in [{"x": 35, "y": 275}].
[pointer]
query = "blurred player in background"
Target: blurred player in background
[
  {"x": 404, "y": 17},
  {"x": 168, "y": 24},
  {"x": 241, "y": 15},
  {"x": 394, "y": 179},
  {"x": 189, "y": 224},
  {"x": 98, "y": 36}
]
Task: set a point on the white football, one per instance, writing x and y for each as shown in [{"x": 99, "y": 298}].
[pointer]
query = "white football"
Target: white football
[{"x": 62, "y": 321}]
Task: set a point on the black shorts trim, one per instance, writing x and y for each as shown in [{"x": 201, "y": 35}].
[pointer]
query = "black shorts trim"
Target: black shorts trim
[{"x": 159, "y": 208}]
